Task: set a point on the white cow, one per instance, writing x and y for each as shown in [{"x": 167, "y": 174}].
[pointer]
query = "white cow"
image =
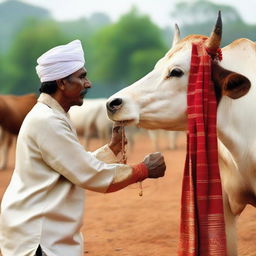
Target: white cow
[
  {"x": 159, "y": 100},
  {"x": 91, "y": 118},
  {"x": 170, "y": 138}
]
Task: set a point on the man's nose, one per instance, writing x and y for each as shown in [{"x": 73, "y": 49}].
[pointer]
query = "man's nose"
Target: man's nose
[{"x": 87, "y": 84}]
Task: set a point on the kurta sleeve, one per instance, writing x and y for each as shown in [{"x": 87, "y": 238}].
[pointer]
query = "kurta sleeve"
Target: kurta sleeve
[
  {"x": 106, "y": 155},
  {"x": 61, "y": 150}
]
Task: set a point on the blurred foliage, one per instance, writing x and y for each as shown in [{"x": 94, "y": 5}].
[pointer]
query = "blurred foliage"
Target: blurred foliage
[
  {"x": 12, "y": 15},
  {"x": 199, "y": 17},
  {"x": 34, "y": 39},
  {"x": 116, "y": 54},
  {"x": 143, "y": 60},
  {"x": 117, "y": 47},
  {"x": 84, "y": 27}
]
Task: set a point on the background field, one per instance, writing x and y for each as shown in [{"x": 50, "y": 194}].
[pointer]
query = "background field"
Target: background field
[{"x": 124, "y": 224}]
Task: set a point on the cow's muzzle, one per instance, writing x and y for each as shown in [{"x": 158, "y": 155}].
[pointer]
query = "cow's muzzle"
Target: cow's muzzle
[{"x": 114, "y": 105}]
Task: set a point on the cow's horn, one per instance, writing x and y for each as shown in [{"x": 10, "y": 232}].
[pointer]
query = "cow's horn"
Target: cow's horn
[
  {"x": 176, "y": 36},
  {"x": 213, "y": 43}
]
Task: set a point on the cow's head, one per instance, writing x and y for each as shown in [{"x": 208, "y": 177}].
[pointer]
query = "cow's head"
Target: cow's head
[{"x": 159, "y": 100}]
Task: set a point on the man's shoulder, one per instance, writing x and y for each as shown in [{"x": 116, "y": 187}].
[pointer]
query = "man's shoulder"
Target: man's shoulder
[
  {"x": 41, "y": 115},
  {"x": 41, "y": 112}
]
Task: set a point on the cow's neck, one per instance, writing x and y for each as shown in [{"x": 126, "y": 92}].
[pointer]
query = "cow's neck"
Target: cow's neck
[
  {"x": 236, "y": 122},
  {"x": 237, "y": 118}
]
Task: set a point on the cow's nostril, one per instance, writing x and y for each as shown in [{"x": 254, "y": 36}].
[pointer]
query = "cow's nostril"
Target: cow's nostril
[{"x": 114, "y": 105}]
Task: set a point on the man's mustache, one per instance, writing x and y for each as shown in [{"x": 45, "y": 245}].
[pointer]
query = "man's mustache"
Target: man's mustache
[{"x": 84, "y": 92}]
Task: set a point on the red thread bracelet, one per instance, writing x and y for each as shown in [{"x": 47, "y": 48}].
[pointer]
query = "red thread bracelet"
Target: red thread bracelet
[{"x": 139, "y": 172}]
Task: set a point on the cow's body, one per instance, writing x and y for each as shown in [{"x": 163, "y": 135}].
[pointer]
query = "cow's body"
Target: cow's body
[
  {"x": 13, "y": 110},
  {"x": 160, "y": 101},
  {"x": 236, "y": 125}
]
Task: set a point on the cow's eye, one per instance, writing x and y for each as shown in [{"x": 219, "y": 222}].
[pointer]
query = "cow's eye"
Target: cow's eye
[{"x": 176, "y": 72}]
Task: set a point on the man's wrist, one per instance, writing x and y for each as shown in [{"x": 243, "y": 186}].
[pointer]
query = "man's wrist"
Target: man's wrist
[{"x": 139, "y": 172}]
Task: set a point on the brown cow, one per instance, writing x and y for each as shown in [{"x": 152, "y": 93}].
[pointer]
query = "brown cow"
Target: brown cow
[{"x": 13, "y": 110}]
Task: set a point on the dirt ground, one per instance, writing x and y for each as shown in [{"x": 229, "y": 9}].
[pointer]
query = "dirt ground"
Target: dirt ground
[{"x": 125, "y": 224}]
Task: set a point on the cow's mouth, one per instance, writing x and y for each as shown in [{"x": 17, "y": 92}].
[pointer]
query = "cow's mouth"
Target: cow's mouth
[{"x": 126, "y": 122}]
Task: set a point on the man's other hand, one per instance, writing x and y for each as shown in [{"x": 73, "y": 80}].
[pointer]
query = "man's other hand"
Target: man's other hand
[{"x": 155, "y": 164}]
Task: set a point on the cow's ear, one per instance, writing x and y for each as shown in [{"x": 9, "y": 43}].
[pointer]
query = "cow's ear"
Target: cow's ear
[
  {"x": 230, "y": 83},
  {"x": 236, "y": 85}
]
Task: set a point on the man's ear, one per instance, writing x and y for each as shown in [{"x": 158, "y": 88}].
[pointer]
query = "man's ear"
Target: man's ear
[
  {"x": 229, "y": 83},
  {"x": 61, "y": 84}
]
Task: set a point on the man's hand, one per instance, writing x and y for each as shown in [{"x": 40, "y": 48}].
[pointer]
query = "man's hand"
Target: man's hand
[
  {"x": 115, "y": 143},
  {"x": 155, "y": 164}
]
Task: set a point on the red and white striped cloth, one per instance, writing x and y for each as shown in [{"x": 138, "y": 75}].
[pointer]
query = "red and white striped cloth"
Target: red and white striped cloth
[{"x": 202, "y": 229}]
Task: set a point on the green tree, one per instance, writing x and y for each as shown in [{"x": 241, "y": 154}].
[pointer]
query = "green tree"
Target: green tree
[
  {"x": 12, "y": 15},
  {"x": 118, "y": 48},
  {"x": 2, "y": 80},
  {"x": 34, "y": 39},
  {"x": 5, "y": 77},
  {"x": 143, "y": 61}
]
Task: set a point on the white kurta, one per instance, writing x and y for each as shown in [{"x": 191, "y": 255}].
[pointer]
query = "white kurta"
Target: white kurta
[{"x": 43, "y": 203}]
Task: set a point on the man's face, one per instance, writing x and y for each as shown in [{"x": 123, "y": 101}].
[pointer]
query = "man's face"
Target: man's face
[{"x": 76, "y": 86}]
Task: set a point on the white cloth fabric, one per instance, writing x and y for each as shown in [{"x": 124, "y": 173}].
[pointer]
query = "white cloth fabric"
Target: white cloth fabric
[
  {"x": 60, "y": 61},
  {"x": 43, "y": 203}
]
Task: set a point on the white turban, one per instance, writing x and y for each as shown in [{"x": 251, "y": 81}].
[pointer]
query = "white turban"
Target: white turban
[{"x": 60, "y": 61}]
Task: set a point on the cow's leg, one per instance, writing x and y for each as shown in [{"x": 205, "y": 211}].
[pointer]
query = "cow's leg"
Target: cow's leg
[
  {"x": 104, "y": 135},
  {"x": 86, "y": 135},
  {"x": 232, "y": 188},
  {"x": 108, "y": 132},
  {"x": 172, "y": 138},
  {"x": 2, "y": 149},
  {"x": 154, "y": 135},
  {"x": 230, "y": 228},
  {"x": 6, "y": 141},
  {"x": 130, "y": 133}
]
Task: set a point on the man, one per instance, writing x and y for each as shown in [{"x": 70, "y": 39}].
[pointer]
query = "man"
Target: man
[{"x": 42, "y": 208}]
